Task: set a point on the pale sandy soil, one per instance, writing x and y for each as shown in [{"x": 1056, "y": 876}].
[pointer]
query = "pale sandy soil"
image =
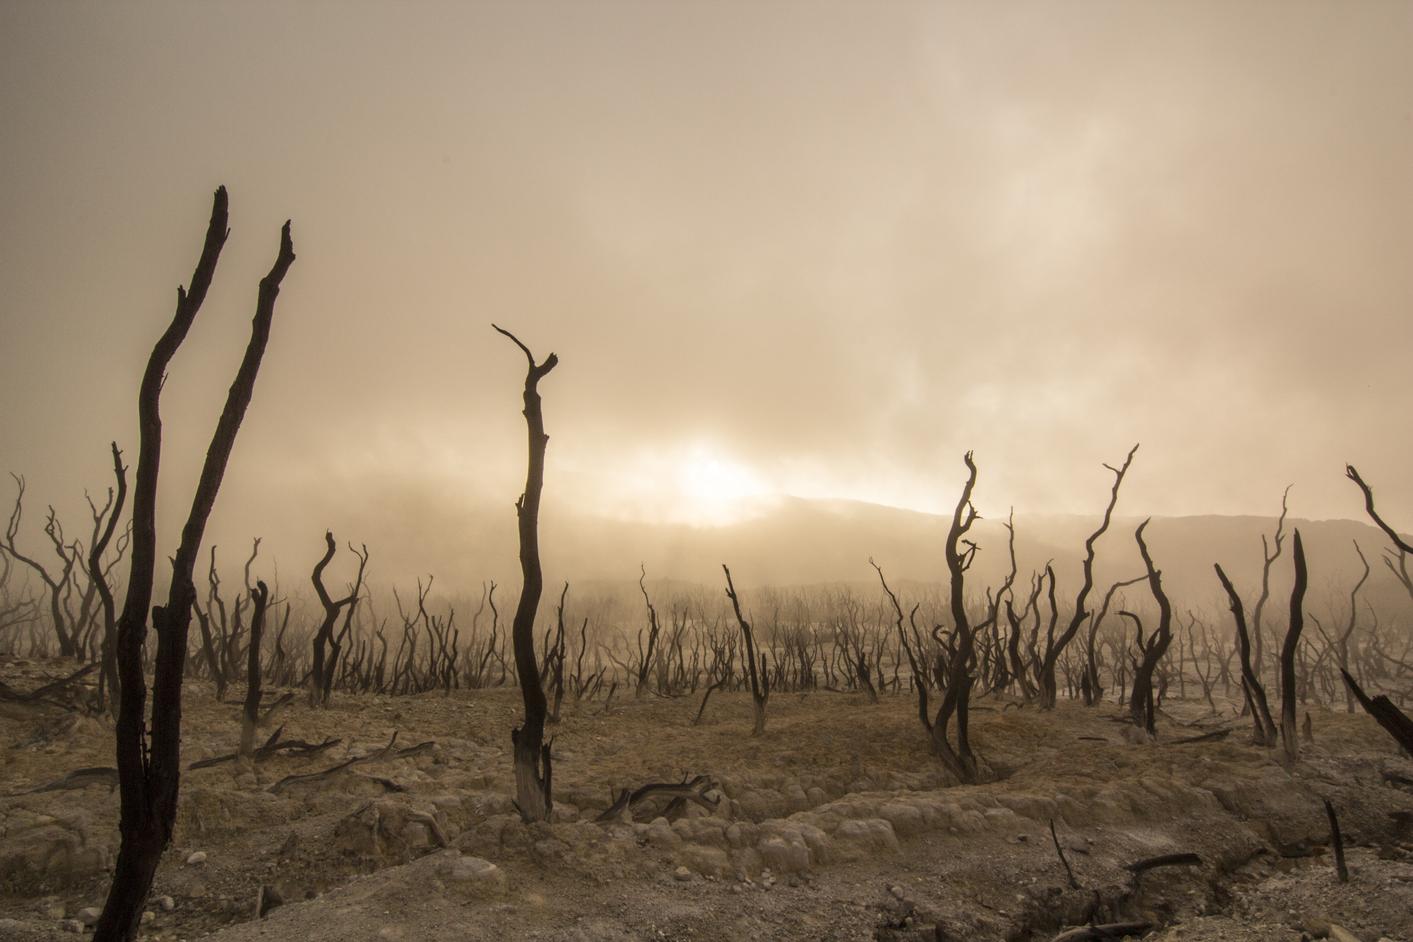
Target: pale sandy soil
[{"x": 836, "y": 824}]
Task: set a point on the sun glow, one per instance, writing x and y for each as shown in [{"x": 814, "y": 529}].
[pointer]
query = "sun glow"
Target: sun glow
[
  {"x": 715, "y": 489},
  {"x": 696, "y": 483}
]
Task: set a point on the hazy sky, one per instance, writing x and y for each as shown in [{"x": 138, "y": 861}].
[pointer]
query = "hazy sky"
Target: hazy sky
[{"x": 810, "y": 248}]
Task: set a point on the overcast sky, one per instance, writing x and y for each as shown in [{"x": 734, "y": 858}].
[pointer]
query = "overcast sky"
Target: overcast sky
[{"x": 808, "y": 248}]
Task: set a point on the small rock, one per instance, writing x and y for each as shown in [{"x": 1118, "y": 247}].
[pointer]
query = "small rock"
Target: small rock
[
  {"x": 147, "y": 916},
  {"x": 71, "y": 925},
  {"x": 472, "y": 877},
  {"x": 682, "y": 874},
  {"x": 166, "y": 903},
  {"x": 196, "y": 859},
  {"x": 89, "y": 916},
  {"x": 897, "y": 891}
]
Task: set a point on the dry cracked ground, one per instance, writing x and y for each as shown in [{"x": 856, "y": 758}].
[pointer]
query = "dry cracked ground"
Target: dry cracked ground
[{"x": 835, "y": 824}]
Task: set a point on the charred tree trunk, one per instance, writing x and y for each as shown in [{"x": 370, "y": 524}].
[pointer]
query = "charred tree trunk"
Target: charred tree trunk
[
  {"x": 956, "y": 698},
  {"x": 1141, "y": 699},
  {"x": 1381, "y": 708},
  {"x": 1290, "y": 737},
  {"x": 250, "y": 717},
  {"x": 533, "y": 780},
  {"x": 1054, "y": 647},
  {"x": 108, "y": 650},
  {"x": 326, "y": 649},
  {"x": 760, "y": 679},
  {"x": 1264, "y": 732},
  {"x": 645, "y": 660},
  {"x": 1397, "y": 564},
  {"x": 149, "y": 770}
]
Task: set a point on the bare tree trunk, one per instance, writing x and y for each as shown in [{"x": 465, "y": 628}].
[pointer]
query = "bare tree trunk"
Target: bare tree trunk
[
  {"x": 533, "y": 779},
  {"x": 1404, "y": 548},
  {"x": 1290, "y": 737},
  {"x": 1264, "y": 733},
  {"x": 321, "y": 678},
  {"x": 1268, "y": 557},
  {"x": 1054, "y": 647},
  {"x": 959, "y": 552},
  {"x": 760, "y": 679},
  {"x": 149, "y": 772},
  {"x": 1141, "y": 698},
  {"x": 95, "y": 567},
  {"x": 251, "y": 710}
]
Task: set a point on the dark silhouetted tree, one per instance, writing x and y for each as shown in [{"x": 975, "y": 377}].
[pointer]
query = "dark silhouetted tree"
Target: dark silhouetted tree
[
  {"x": 149, "y": 770},
  {"x": 533, "y": 773},
  {"x": 1152, "y": 650},
  {"x": 1054, "y": 647},
  {"x": 1264, "y": 733},
  {"x": 1290, "y": 736}
]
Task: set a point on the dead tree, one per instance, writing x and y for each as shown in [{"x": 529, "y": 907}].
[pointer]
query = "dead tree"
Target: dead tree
[
  {"x": 108, "y": 679},
  {"x": 553, "y": 667},
  {"x": 760, "y": 679},
  {"x": 1141, "y": 699},
  {"x": 917, "y": 659},
  {"x": 1290, "y": 739},
  {"x": 1396, "y": 565},
  {"x": 645, "y": 659},
  {"x": 1054, "y": 647},
  {"x": 1339, "y": 643},
  {"x": 956, "y": 698},
  {"x": 1268, "y": 557},
  {"x": 1264, "y": 733},
  {"x": 1381, "y": 708},
  {"x": 21, "y": 612},
  {"x": 58, "y": 585},
  {"x": 1091, "y": 686},
  {"x": 216, "y": 661},
  {"x": 322, "y": 678},
  {"x": 533, "y": 780},
  {"x": 250, "y": 711},
  {"x": 149, "y": 770}
]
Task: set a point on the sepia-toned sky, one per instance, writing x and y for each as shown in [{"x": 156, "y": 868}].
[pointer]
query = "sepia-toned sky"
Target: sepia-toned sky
[{"x": 811, "y": 248}]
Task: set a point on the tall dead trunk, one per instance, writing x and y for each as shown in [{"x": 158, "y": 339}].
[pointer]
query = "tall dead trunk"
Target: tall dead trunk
[
  {"x": 250, "y": 712},
  {"x": 956, "y": 698},
  {"x": 1264, "y": 733},
  {"x": 1141, "y": 699},
  {"x": 1268, "y": 557},
  {"x": 760, "y": 679},
  {"x": 533, "y": 780},
  {"x": 108, "y": 649},
  {"x": 326, "y": 649},
  {"x": 1290, "y": 735},
  {"x": 149, "y": 770},
  {"x": 1054, "y": 647}
]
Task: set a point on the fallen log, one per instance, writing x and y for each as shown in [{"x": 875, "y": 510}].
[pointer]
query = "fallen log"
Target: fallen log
[
  {"x": 43, "y": 693},
  {"x": 272, "y": 747},
  {"x": 387, "y": 752},
  {"x": 79, "y": 778},
  {"x": 1213, "y": 736},
  {"x": 1163, "y": 860},
  {"x": 693, "y": 790}
]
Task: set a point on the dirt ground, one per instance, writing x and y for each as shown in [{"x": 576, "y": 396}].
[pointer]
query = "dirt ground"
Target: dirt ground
[{"x": 835, "y": 824}]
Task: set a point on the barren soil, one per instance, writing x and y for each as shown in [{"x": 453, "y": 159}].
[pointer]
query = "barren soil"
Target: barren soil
[{"x": 836, "y": 824}]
